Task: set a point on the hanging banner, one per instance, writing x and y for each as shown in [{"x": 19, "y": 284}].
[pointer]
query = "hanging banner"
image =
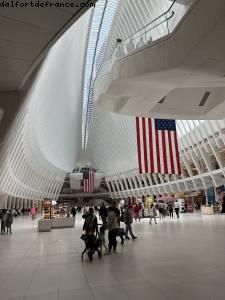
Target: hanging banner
[{"x": 211, "y": 196}]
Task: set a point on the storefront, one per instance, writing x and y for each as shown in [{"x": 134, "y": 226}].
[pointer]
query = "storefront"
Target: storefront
[
  {"x": 55, "y": 216},
  {"x": 214, "y": 198}
]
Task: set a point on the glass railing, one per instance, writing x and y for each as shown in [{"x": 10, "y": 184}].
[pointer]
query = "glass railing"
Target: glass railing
[{"x": 159, "y": 28}]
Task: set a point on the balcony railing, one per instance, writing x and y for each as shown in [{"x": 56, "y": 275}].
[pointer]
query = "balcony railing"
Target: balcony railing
[{"x": 159, "y": 28}]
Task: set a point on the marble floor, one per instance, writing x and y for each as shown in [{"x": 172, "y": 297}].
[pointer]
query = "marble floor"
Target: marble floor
[{"x": 173, "y": 260}]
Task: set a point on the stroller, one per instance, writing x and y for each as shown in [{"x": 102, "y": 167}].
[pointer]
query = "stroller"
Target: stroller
[{"x": 92, "y": 245}]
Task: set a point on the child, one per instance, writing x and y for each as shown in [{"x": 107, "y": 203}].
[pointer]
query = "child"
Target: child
[{"x": 102, "y": 238}]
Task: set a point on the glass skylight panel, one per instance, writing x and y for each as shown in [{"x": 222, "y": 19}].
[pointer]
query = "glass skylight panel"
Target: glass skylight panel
[{"x": 101, "y": 25}]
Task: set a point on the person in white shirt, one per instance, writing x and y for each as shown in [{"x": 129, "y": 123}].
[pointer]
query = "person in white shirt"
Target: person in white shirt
[
  {"x": 130, "y": 46},
  {"x": 140, "y": 43},
  {"x": 119, "y": 50},
  {"x": 150, "y": 41},
  {"x": 177, "y": 208}
]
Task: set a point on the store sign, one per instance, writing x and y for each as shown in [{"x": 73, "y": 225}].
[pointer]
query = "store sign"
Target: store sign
[{"x": 193, "y": 194}]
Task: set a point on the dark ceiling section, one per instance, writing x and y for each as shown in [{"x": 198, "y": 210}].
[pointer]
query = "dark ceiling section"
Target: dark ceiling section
[{"x": 26, "y": 35}]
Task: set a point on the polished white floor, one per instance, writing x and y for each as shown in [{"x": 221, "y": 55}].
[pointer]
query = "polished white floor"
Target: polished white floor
[{"x": 173, "y": 260}]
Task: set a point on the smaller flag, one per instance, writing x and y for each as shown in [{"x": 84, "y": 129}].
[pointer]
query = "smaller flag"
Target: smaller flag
[{"x": 88, "y": 181}]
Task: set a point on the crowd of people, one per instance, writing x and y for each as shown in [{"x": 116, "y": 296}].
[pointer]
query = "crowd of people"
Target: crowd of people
[
  {"x": 167, "y": 209},
  {"x": 111, "y": 220},
  {"x": 112, "y": 216},
  {"x": 7, "y": 216},
  {"x": 164, "y": 209},
  {"x": 6, "y": 221}
]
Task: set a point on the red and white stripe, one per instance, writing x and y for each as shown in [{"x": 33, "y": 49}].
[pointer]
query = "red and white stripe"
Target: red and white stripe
[
  {"x": 157, "y": 149},
  {"x": 89, "y": 183}
]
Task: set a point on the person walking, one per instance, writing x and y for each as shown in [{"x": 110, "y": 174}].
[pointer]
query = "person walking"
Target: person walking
[
  {"x": 117, "y": 211},
  {"x": 9, "y": 221},
  {"x": 120, "y": 231},
  {"x": 161, "y": 210},
  {"x": 170, "y": 207},
  {"x": 140, "y": 212},
  {"x": 103, "y": 213},
  {"x": 177, "y": 208},
  {"x": 102, "y": 239},
  {"x": 153, "y": 214},
  {"x": 33, "y": 213},
  {"x": 128, "y": 220},
  {"x": 223, "y": 206},
  {"x": 73, "y": 211},
  {"x": 90, "y": 227},
  {"x": 3, "y": 221},
  {"x": 136, "y": 212},
  {"x": 90, "y": 223},
  {"x": 112, "y": 227},
  {"x": 165, "y": 209}
]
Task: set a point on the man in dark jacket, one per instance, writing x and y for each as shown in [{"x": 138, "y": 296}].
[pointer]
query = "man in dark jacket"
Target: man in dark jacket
[
  {"x": 223, "y": 206},
  {"x": 103, "y": 212},
  {"x": 3, "y": 221},
  {"x": 128, "y": 220},
  {"x": 90, "y": 223},
  {"x": 9, "y": 221},
  {"x": 117, "y": 212}
]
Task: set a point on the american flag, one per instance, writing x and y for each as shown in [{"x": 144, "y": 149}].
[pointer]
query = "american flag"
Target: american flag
[
  {"x": 88, "y": 181},
  {"x": 157, "y": 146}
]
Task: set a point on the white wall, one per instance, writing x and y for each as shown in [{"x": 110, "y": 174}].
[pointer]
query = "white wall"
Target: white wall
[
  {"x": 56, "y": 101},
  {"x": 112, "y": 142},
  {"x": 45, "y": 139}
]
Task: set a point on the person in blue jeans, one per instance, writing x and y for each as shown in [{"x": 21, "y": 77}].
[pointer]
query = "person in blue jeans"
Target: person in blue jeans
[{"x": 128, "y": 220}]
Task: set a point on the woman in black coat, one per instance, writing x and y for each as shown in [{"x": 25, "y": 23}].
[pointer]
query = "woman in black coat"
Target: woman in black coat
[{"x": 223, "y": 206}]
